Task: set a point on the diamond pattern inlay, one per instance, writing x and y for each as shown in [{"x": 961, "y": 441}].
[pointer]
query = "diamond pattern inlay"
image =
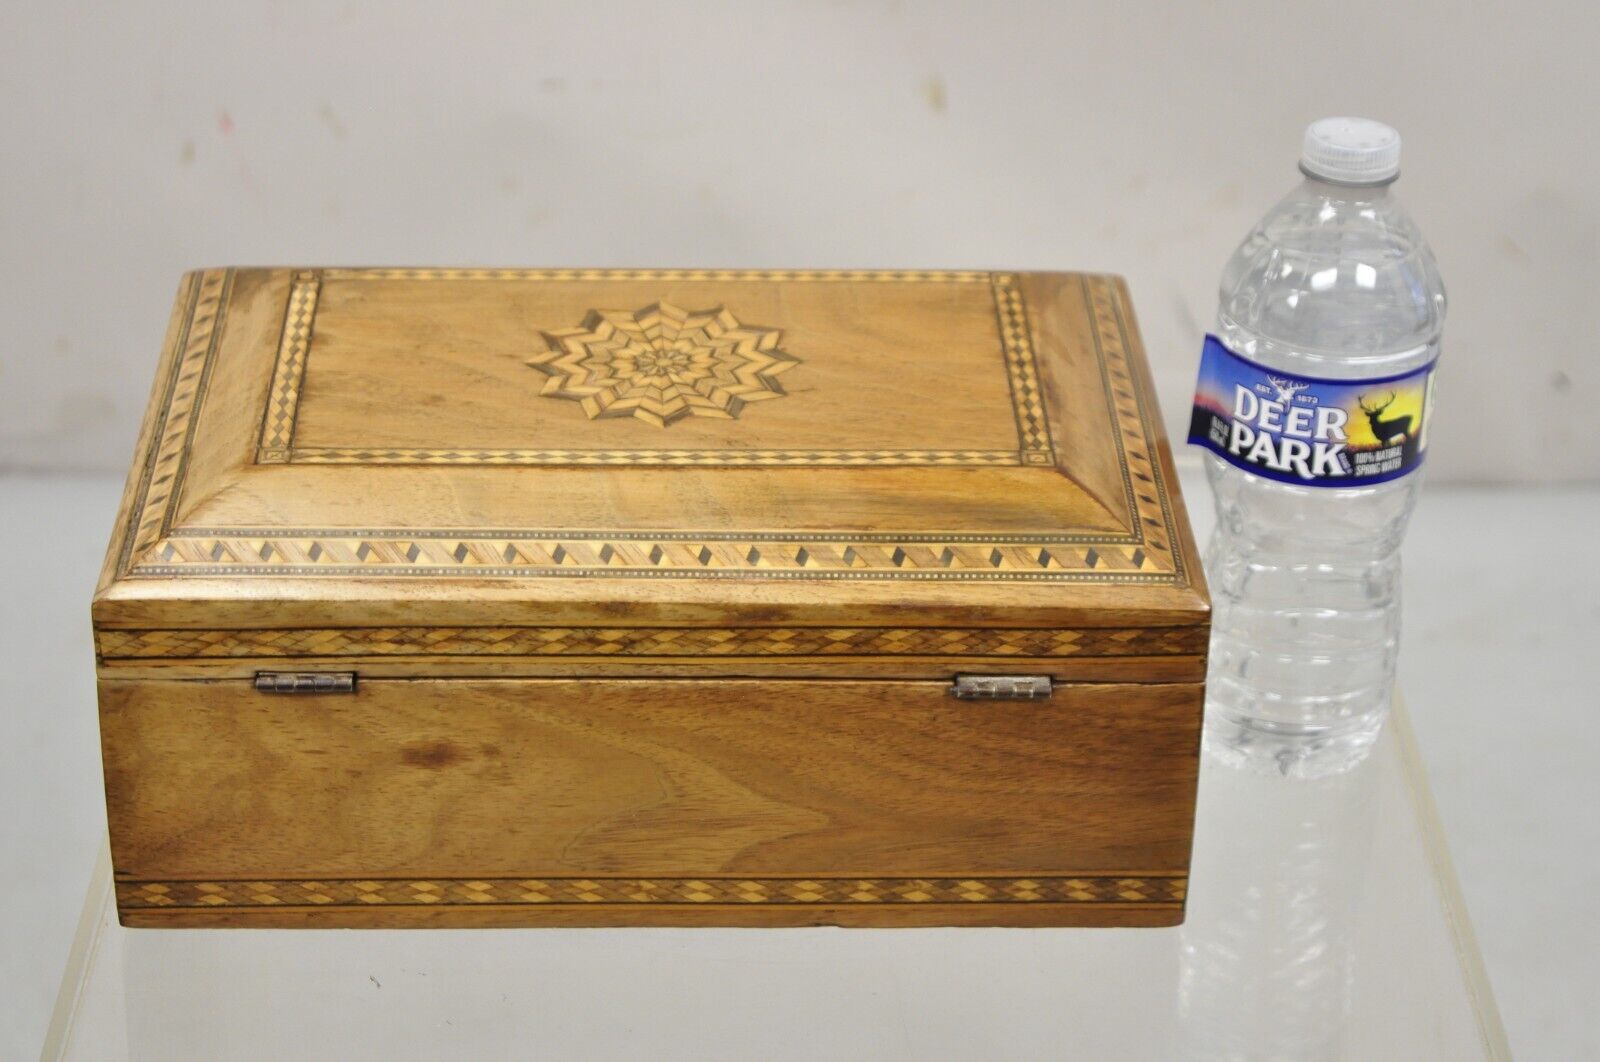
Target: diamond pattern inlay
[
  {"x": 117, "y": 643},
  {"x": 1164, "y": 890}
]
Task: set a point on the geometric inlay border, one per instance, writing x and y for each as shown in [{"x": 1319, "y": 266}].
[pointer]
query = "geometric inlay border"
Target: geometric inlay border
[
  {"x": 161, "y": 480},
  {"x": 283, "y": 397},
  {"x": 1143, "y": 890},
  {"x": 694, "y": 642},
  {"x": 335, "y": 455},
  {"x": 645, "y": 555}
]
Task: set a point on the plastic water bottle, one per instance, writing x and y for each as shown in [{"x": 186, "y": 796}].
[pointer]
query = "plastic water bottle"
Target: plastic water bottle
[{"x": 1313, "y": 401}]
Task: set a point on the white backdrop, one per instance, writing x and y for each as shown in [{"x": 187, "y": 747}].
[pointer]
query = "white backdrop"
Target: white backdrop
[{"x": 141, "y": 140}]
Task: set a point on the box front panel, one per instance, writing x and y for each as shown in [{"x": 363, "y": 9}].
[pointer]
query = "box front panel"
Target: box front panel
[{"x": 729, "y": 802}]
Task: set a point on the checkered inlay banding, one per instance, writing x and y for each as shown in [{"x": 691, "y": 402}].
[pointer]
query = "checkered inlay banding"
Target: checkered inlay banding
[{"x": 467, "y": 892}]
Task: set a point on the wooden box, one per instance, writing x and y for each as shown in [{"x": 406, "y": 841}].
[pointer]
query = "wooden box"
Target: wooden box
[{"x": 468, "y": 597}]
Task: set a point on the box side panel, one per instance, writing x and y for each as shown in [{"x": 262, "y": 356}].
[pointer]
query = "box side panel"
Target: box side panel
[{"x": 648, "y": 802}]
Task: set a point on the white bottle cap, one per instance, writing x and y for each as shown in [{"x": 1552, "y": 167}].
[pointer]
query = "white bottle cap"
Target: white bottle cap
[{"x": 1351, "y": 151}]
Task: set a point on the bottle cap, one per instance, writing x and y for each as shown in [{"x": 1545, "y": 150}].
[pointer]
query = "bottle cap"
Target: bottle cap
[{"x": 1351, "y": 151}]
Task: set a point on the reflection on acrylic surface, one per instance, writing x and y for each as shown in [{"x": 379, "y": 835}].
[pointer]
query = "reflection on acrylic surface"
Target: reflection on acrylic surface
[
  {"x": 1315, "y": 930},
  {"x": 1266, "y": 966}
]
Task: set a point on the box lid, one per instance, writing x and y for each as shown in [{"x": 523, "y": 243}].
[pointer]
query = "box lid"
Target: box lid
[{"x": 656, "y": 465}]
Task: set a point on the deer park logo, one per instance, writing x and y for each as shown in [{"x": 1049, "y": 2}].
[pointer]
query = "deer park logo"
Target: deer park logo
[{"x": 1307, "y": 429}]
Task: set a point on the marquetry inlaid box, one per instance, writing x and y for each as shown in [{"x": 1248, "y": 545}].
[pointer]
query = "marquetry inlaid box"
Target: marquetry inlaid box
[{"x": 448, "y": 597}]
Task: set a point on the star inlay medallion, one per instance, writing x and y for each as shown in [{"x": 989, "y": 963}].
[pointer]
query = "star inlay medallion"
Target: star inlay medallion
[{"x": 661, "y": 364}]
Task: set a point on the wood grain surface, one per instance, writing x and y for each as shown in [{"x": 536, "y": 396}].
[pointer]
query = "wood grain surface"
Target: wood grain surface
[{"x": 455, "y": 781}]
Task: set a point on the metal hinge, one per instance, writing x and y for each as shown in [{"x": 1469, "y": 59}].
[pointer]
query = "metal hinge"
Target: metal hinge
[
  {"x": 306, "y": 681},
  {"x": 1001, "y": 687}
]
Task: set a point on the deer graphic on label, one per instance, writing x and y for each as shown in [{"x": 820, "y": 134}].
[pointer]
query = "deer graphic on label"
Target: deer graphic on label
[{"x": 1385, "y": 430}]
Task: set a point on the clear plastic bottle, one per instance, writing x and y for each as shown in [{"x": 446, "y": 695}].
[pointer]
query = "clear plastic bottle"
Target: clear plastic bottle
[{"x": 1335, "y": 285}]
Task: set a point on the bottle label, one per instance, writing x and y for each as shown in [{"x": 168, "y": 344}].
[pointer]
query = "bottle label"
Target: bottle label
[{"x": 1307, "y": 429}]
